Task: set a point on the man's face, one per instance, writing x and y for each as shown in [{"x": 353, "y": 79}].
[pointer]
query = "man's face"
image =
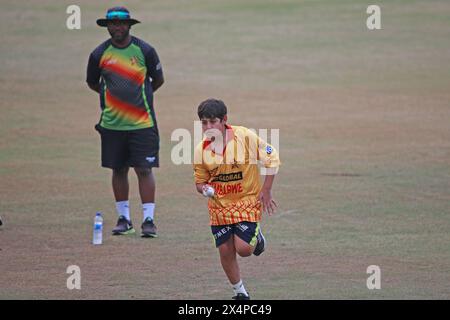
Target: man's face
[{"x": 119, "y": 30}]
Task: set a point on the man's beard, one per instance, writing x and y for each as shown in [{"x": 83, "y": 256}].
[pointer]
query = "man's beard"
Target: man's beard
[{"x": 120, "y": 37}]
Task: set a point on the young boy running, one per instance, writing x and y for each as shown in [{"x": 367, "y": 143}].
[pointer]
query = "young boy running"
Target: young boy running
[{"x": 226, "y": 171}]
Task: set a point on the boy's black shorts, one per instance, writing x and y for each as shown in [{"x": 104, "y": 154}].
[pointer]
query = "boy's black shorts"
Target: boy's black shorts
[
  {"x": 245, "y": 230},
  {"x": 133, "y": 148}
]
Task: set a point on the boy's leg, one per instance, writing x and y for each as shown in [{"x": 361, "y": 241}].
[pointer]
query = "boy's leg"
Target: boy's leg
[
  {"x": 224, "y": 240},
  {"x": 228, "y": 260},
  {"x": 242, "y": 248},
  {"x": 248, "y": 239}
]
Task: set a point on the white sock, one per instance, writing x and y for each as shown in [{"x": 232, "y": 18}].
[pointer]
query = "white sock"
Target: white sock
[
  {"x": 239, "y": 288},
  {"x": 123, "y": 209},
  {"x": 148, "y": 209}
]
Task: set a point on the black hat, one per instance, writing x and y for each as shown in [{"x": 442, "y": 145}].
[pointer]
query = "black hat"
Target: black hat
[{"x": 117, "y": 13}]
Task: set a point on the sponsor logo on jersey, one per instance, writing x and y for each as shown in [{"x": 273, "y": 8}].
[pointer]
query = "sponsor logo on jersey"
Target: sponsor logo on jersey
[
  {"x": 235, "y": 176},
  {"x": 232, "y": 188}
]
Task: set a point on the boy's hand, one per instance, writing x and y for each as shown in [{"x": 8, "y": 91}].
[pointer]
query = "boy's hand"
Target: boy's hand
[
  {"x": 208, "y": 191},
  {"x": 269, "y": 205}
]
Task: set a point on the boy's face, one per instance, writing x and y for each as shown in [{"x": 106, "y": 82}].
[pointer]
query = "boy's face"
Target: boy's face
[{"x": 214, "y": 123}]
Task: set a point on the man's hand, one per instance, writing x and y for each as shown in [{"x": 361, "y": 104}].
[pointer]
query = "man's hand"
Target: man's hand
[
  {"x": 95, "y": 87},
  {"x": 269, "y": 205}
]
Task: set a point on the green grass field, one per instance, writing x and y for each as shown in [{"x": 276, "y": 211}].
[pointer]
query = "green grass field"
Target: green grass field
[{"x": 364, "y": 140}]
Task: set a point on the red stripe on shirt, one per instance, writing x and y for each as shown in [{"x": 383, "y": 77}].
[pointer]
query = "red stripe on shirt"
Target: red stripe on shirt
[
  {"x": 129, "y": 110},
  {"x": 133, "y": 75}
]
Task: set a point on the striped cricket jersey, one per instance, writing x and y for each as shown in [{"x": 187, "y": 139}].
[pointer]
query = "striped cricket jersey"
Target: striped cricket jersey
[
  {"x": 125, "y": 74},
  {"x": 234, "y": 174}
]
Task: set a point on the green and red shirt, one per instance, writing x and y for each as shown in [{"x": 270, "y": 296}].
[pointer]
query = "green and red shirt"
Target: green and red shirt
[{"x": 125, "y": 75}]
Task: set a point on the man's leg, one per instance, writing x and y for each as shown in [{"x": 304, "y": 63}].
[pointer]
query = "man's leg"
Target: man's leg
[
  {"x": 143, "y": 146},
  {"x": 114, "y": 156},
  {"x": 147, "y": 184},
  {"x": 147, "y": 189},
  {"x": 120, "y": 184},
  {"x": 121, "y": 189}
]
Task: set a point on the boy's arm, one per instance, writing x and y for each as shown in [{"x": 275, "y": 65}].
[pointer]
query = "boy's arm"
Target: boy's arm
[
  {"x": 265, "y": 196},
  {"x": 270, "y": 161},
  {"x": 205, "y": 189},
  {"x": 201, "y": 174}
]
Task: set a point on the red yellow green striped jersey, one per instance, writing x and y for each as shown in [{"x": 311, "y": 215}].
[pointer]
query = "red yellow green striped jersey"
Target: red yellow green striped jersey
[{"x": 126, "y": 95}]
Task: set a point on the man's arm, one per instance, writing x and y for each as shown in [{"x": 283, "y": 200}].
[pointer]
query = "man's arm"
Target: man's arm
[
  {"x": 93, "y": 73},
  {"x": 95, "y": 87},
  {"x": 156, "y": 83},
  {"x": 154, "y": 68}
]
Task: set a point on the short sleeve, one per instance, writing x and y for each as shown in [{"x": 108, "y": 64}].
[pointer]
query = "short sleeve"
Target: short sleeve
[
  {"x": 154, "y": 68},
  {"x": 201, "y": 173},
  {"x": 267, "y": 155},
  {"x": 93, "y": 69},
  {"x": 93, "y": 73}
]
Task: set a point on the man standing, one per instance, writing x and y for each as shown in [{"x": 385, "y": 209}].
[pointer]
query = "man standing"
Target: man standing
[
  {"x": 126, "y": 71},
  {"x": 226, "y": 171}
]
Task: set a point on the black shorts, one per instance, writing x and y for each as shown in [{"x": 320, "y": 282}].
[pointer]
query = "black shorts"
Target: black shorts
[
  {"x": 245, "y": 230},
  {"x": 133, "y": 148}
]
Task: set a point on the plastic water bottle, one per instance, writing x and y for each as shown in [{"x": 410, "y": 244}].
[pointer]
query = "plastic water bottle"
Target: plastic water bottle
[{"x": 98, "y": 229}]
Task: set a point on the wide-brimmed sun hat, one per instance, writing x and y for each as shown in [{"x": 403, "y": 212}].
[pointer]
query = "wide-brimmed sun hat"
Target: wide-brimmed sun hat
[{"x": 117, "y": 13}]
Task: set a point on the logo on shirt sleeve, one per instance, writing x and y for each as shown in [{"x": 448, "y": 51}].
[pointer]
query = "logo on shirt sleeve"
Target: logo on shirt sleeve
[{"x": 269, "y": 149}]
